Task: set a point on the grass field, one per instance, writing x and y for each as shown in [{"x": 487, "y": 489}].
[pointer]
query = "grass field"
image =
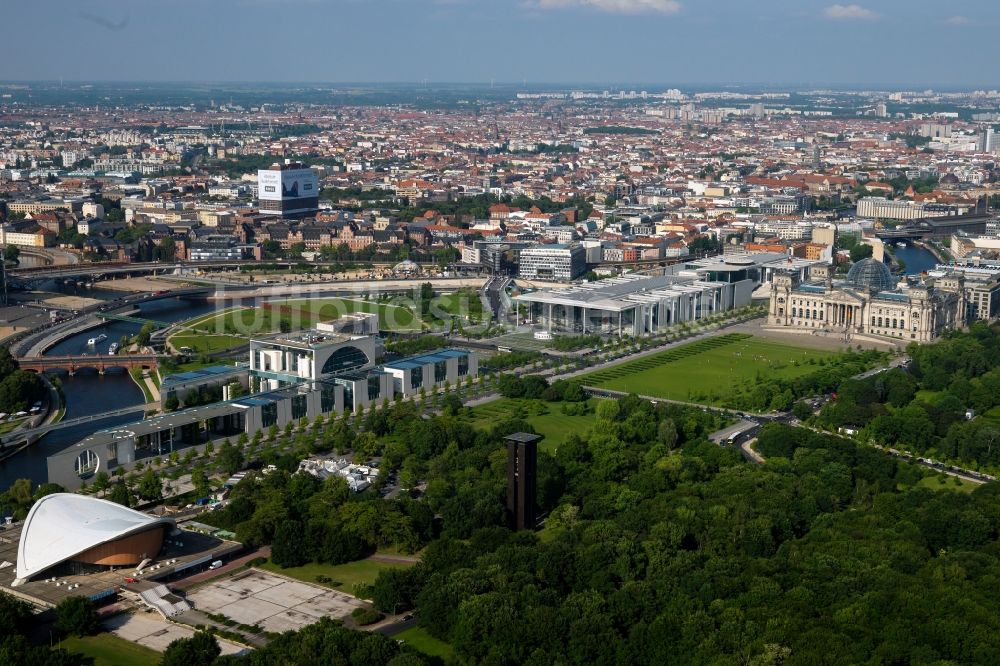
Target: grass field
[
  {"x": 712, "y": 366},
  {"x": 423, "y": 642},
  {"x": 945, "y": 482},
  {"x": 109, "y": 650},
  {"x": 391, "y": 317},
  {"x": 464, "y": 303},
  {"x": 344, "y": 576},
  {"x": 553, "y": 424},
  {"x": 220, "y": 331},
  {"x": 928, "y": 396}
]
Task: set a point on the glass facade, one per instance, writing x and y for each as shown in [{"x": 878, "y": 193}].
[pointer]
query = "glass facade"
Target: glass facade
[
  {"x": 440, "y": 371},
  {"x": 463, "y": 366},
  {"x": 348, "y": 394},
  {"x": 269, "y": 414},
  {"x": 416, "y": 377},
  {"x": 328, "y": 398},
  {"x": 374, "y": 387},
  {"x": 300, "y": 406},
  {"x": 345, "y": 358}
]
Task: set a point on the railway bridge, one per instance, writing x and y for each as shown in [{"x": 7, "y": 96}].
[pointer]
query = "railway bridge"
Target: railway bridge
[{"x": 99, "y": 362}]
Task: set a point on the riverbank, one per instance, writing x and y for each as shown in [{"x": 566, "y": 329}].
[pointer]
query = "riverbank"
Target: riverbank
[{"x": 942, "y": 255}]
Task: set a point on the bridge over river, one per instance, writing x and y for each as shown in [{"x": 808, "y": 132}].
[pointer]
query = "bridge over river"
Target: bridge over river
[
  {"x": 937, "y": 226},
  {"x": 99, "y": 362}
]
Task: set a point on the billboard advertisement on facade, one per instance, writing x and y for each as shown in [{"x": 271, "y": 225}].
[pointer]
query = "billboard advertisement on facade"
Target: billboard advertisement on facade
[{"x": 286, "y": 185}]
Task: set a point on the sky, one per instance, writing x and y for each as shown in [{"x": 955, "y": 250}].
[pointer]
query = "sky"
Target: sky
[{"x": 902, "y": 43}]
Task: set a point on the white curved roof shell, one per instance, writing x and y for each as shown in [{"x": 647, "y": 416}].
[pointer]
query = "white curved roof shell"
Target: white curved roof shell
[{"x": 62, "y": 525}]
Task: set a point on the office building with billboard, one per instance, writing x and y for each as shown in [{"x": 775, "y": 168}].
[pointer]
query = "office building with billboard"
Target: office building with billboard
[{"x": 290, "y": 190}]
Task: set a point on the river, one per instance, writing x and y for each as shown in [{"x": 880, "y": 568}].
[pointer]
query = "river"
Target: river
[
  {"x": 89, "y": 392},
  {"x": 916, "y": 258}
]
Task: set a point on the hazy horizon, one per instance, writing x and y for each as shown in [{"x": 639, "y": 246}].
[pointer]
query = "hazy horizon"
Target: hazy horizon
[{"x": 807, "y": 43}]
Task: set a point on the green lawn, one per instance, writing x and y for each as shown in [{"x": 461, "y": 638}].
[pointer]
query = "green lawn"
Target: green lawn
[
  {"x": 713, "y": 366},
  {"x": 925, "y": 395},
  {"x": 108, "y": 650},
  {"x": 8, "y": 426},
  {"x": 394, "y": 315},
  {"x": 464, "y": 303},
  {"x": 230, "y": 328},
  {"x": 553, "y": 424},
  {"x": 345, "y": 577},
  {"x": 423, "y": 642},
  {"x": 945, "y": 482},
  {"x": 206, "y": 343}
]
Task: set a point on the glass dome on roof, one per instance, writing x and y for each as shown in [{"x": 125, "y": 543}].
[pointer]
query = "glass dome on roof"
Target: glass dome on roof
[{"x": 871, "y": 274}]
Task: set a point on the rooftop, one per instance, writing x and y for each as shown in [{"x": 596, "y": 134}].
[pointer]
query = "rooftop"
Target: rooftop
[
  {"x": 421, "y": 360},
  {"x": 311, "y": 339},
  {"x": 620, "y": 293},
  {"x": 202, "y": 373}
]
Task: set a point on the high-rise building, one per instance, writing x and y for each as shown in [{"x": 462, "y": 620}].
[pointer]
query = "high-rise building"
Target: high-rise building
[
  {"x": 986, "y": 141},
  {"x": 522, "y": 460},
  {"x": 935, "y": 130},
  {"x": 290, "y": 190},
  {"x": 880, "y": 110}
]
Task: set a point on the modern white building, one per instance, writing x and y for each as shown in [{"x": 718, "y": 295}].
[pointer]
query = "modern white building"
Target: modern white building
[
  {"x": 633, "y": 304},
  {"x": 67, "y": 533},
  {"x": 430, "y": 371},
  {"x": 561, "y": 263},
  {"x": 290, "y": 358}
]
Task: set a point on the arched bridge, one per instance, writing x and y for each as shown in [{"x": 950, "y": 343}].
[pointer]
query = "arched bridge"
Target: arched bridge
[{"x": 99, "y": 362}]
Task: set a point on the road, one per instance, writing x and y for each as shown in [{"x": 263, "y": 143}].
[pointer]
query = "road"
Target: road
[
  {"x": 229, "y": 567},
  {"x": 70, "y": 423}
]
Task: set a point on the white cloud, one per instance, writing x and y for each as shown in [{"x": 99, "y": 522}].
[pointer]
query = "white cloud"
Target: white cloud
[
  {"x": 617, "y": 6},
  {"x": 849, "y": 13},
  {"x": 957, "y": 20}
]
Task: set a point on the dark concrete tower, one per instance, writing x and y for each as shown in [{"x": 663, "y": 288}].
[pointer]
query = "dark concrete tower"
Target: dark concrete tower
[{"x": 522, "y": 457}]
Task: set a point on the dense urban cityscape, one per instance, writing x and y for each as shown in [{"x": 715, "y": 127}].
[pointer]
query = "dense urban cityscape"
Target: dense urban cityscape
[{"x": 501, "y": 373}]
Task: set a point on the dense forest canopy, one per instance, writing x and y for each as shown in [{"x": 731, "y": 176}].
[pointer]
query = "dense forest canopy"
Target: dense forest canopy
[
  {"x": 925, "y": 408},
  {"x": 657, "y": 546}
]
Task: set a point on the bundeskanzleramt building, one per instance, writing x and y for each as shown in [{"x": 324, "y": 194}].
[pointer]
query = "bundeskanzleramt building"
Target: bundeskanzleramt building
[
  {"x": 868, "y": 303},
  {"x": 430, "y": 371}
]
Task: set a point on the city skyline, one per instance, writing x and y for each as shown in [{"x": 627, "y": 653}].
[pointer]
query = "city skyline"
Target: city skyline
[{"x": 629, "y": 42}]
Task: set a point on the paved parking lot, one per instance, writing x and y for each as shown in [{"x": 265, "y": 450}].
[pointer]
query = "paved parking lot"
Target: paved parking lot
[
  {"x": 152, "y": 631},
  {"x": 275, "y": 603}
]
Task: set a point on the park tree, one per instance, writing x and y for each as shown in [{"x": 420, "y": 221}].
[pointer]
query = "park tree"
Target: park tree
[
  {"x": 859, "y": 252},
  {"x": 200, "y": 482},
  {"x": 607, "y": 410},
  {"x": 76, "y": 616},
  {"x": 121, "y": 494},
  {"x": 199, "y": 650},
  {"x": 150, "y": 486},
  {"x": 101, "y": 481},
  {"x": 666, "y": 433},
  {"x": 142, "y": 338},
  {"x": 802, "y": 410},
  {"x": 230, "y": 457},
  {"x": 451, "y": 404},
  {"x": 289, "y": 548}
]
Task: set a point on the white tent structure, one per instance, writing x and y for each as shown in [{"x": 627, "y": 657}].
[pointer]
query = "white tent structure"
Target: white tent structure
[{"x": 65, "y": 526}]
